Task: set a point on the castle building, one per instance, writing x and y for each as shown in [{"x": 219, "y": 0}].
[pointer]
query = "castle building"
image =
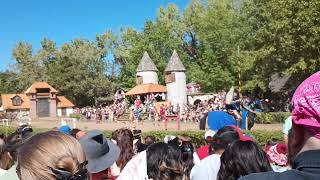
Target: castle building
[{"x": 39, "y": 100}]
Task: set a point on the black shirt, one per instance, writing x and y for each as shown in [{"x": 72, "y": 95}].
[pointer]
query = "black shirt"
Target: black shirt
[{"x": 306, "y": 167}]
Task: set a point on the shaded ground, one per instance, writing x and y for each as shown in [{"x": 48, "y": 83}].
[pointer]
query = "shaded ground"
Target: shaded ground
[{"x": 145, "y": 126}]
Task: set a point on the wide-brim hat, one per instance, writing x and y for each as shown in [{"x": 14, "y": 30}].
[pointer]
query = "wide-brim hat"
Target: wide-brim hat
[{"x": 100, "y": 152}]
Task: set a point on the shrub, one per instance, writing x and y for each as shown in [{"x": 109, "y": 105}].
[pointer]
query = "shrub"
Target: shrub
[
  {"x": 77, "y": 116},
  {"x": 197, "y": 137},
  {"x": 271, "y": 117}
]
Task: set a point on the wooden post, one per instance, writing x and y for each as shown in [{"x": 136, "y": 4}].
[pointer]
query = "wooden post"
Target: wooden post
[
  {"x": 166, "y": 123},
  {"x": 178, "y": 121}
]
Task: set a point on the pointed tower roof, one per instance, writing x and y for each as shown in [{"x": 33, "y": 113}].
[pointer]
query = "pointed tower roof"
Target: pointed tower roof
[
  {"x": 146, "y": 64},
  {"x": 175, "y": 63}
]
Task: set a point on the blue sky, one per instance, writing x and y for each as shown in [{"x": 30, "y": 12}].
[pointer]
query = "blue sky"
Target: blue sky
[{"x": 64, "y": 20}]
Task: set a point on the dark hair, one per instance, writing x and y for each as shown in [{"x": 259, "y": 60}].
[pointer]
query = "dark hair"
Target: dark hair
[
  {"x": 13, "y": 143},
  {"x": 124, "y": 139},
  {"x": 24, "y": 131},
  {"x": 148, "y": 140},
  {"x": 272, "y": 142},
  {"x": 164, "y": 162},
  {"x": 176, "y": 142},
  {"x": 5, "y": 160},
  {"x": 74, "y": 132},
  {"x": 242, "y": 158},
  {"x": 187, "y": 155},
  {"x": 223, "y": 137}
]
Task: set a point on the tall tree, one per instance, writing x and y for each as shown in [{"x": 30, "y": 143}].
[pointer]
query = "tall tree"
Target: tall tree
[
  {"x": 80, "y": 72},
  {"x": 284, "y": 38}
]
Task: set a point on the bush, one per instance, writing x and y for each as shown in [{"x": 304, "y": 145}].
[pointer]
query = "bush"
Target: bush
[
  {"x": 77, "y": 116},
  {"x": 271, "y": 117},
  {"x": 197, "y": 137}
]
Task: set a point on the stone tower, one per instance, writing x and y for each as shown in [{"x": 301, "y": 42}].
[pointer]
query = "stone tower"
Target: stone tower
[
  {"x": 176, "y": 81},
  {"x": 146, "y": 71}
]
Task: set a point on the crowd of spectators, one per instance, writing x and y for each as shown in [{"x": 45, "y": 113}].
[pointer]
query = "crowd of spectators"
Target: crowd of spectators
[{"x": 71, "y": 154}]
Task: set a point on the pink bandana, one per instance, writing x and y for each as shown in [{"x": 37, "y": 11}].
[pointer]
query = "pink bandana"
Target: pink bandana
[
  {"x": 278, "y": 154},
  {"x": 306, "y": 104}
]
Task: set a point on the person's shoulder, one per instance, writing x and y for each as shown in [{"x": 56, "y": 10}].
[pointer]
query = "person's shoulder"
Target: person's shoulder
[
  {"x": 270, "y": 176},
  {"x": 206, "y": 165}
]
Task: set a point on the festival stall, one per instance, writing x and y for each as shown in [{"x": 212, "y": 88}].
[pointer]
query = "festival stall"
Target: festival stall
[{"x": 144, "y": 89}]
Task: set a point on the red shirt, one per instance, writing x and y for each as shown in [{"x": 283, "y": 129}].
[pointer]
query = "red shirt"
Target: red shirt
[
  {"x": 203, "y": 152},
  {"x": 103, "y": 175}
]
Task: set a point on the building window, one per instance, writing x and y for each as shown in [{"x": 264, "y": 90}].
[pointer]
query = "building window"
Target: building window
[
  {"x": 139, "y": 80},
  {"x": 170, "y": 78},
  {"x": 16, "y": 101}
]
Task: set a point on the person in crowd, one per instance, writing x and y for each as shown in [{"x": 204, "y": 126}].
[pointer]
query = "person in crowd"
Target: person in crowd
[
  {"x": 278, "y": 157},
  {"x": 124, "y": 140},
  {"x": 160, "y": 161},
  {"x": 164, "y": 162},
  {"x": 140, "y": 146},
  {"x": 100, "y": 153},
  {"x": 187, "y": 151},
  {"x": 204, "y": 151},
  {"x": 6, "y": 161},
  {"x": 208, "y": 168},
  {"x": 51, "y": 155},
  {"x": 242, "y": 158},
  {"x": 148, "y": 140},
  {"x": 77, "y": 133},
  {"x": 98, "y": 114},
  {"x": 74, "y": 132},
  {"x": 286, "y": 128},
  {"x": 9, "y": 156},
  {"x": 65, "y": 129},
  {"x": 3, "y": 164},
  {"x": 304, "y": 137}
]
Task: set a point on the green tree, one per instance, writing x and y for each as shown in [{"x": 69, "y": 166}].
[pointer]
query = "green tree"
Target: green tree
[
  {"x": 29, "y": 68},
  {"x": 79, "y": 72},
  {"x": 284, "y": 37}
]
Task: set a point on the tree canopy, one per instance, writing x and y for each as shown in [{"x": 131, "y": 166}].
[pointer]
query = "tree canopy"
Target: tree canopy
[{"x": 220, "y": 42}]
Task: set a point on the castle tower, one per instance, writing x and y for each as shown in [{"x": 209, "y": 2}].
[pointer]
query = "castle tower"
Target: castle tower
[
  {"x": 146, "y": 71},
  {"x": 176, "y": 81}
]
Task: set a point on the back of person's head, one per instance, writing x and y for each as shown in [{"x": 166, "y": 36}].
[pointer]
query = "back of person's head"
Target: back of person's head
[
  {"x": 242, "y": 158},
  {"x": 222, "y": 139},
  {"x": 51, "y": 155},
  {"x": 187, "y": 150},
  {"x": 305, "y": 117},
  {"x": 148, "y": 140},
  {"x": 8, "y": 153},
  {"x": 6, "y": 160},
  {"x": 24, "y": 131},
  {"x": 164, "y": 162},
  {"x": 124, "y": 139},
  {"x": 12, "y": 144},
  {"x": 272, "y": 142},
  {"x": 74, "y": 132}
]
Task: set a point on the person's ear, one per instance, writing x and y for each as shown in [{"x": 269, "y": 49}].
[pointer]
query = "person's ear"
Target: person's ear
[{"x": 296, "y": 140}]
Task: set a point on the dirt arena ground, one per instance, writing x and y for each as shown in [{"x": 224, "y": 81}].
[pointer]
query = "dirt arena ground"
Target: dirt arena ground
[{"x": 145, "y": 126}]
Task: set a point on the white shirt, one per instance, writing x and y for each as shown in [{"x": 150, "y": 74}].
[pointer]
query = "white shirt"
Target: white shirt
[
  {"x": 2, "y": 171},
  {"x": 207, "y": 169}
]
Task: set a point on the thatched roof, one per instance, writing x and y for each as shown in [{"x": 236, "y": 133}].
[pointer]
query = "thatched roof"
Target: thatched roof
[
  {"x": 146, "y": 64},
  {"x": 175, "y": 63}
]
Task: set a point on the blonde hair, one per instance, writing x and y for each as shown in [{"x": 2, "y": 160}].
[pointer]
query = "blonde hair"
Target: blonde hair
[{"x": 49, "y": 150}]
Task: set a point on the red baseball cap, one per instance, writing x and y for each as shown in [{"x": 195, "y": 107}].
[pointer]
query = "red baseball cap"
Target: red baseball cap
[{"x": 241, "y": 136}]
